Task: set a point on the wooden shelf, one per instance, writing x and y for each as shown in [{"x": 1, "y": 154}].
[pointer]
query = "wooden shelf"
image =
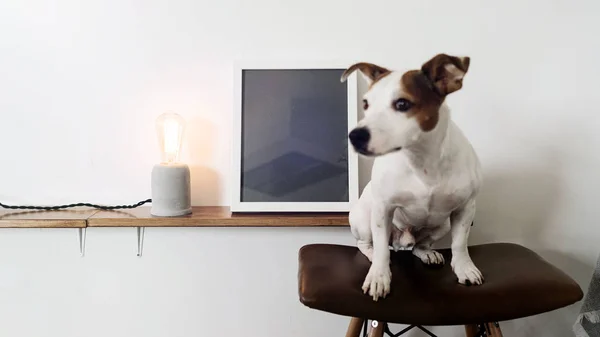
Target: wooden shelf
[
  {"x": 140, "y": 217},
  {"x": 44, "y": 219},
  {"x": 214, "y": 217}
]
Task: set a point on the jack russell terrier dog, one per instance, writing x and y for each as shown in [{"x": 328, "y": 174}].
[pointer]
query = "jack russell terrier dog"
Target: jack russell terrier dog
[{"x": 425, "y": 175}]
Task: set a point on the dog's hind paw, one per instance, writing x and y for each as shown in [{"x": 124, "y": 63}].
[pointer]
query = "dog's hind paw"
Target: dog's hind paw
[
  {"x": 466, "y": 271},
  {"x": 428, "y": 256},
  {"x": 377, "y": 283}
]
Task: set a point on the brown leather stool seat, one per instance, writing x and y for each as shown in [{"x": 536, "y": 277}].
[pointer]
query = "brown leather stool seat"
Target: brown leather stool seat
[{"x": 518, "y": 283}]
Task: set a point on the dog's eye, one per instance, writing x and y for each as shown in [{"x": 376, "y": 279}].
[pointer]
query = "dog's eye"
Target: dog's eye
[
  {"x": 402, "y": 105},
  {"x": 365, "y": 104}
]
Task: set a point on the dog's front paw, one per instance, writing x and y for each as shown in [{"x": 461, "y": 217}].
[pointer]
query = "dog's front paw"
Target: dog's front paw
[
  {"x": 377, "y": 282},
  {"x": 466, "y": 271},
  {"x": 428, "y": 256}
]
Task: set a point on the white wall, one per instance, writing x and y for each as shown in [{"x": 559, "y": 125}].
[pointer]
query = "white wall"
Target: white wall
[{"x": 82, "y": 82}]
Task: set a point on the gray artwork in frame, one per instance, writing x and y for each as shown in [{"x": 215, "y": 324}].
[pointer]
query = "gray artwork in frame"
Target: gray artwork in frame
[{"x": 291, "y": 151}]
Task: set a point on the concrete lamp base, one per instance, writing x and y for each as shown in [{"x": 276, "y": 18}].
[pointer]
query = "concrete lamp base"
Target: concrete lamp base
[{"x": 171, "y": 192}]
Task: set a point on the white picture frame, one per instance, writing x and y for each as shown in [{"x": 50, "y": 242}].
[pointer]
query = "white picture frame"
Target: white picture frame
[{"x": 236, "y": 203}]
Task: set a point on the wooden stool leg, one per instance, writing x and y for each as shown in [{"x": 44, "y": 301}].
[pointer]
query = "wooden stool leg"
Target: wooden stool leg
[
  {"x": 355, "y": 327},
  {"x": 491, "y": 329},
  {"x": 378, "y": 330},
  {"x": 471, "y": 330}
]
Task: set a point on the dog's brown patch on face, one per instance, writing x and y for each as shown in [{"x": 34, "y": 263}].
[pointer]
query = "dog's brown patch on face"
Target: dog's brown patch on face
[{"x": 426, "y": 100}]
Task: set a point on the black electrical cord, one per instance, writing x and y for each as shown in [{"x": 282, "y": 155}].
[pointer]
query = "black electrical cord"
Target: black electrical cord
[{"x": 80, "y": 204}]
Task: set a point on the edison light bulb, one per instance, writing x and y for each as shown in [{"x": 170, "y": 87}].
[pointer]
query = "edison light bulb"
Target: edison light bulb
[
  {"x": 170, "y": 179},
  {"x": 170, "y": 127}
]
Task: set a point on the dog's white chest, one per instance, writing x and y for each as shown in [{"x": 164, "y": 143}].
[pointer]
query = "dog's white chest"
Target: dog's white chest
[
  {"x": 421, "y": 200},
  {"x": 422, "y": 205}
]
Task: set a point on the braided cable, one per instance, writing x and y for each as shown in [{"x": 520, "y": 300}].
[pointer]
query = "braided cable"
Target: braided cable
[{"x": 80, "y": 204}]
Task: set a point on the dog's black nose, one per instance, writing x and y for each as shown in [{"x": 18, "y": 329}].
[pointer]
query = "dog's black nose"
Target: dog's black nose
[{"x": 359, "y": 138}]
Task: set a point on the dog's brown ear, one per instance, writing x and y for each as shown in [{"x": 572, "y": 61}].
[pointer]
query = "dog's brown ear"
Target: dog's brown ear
[
  {"x": 369, "y": 70},
  {"x": 446, "y": 72}
]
